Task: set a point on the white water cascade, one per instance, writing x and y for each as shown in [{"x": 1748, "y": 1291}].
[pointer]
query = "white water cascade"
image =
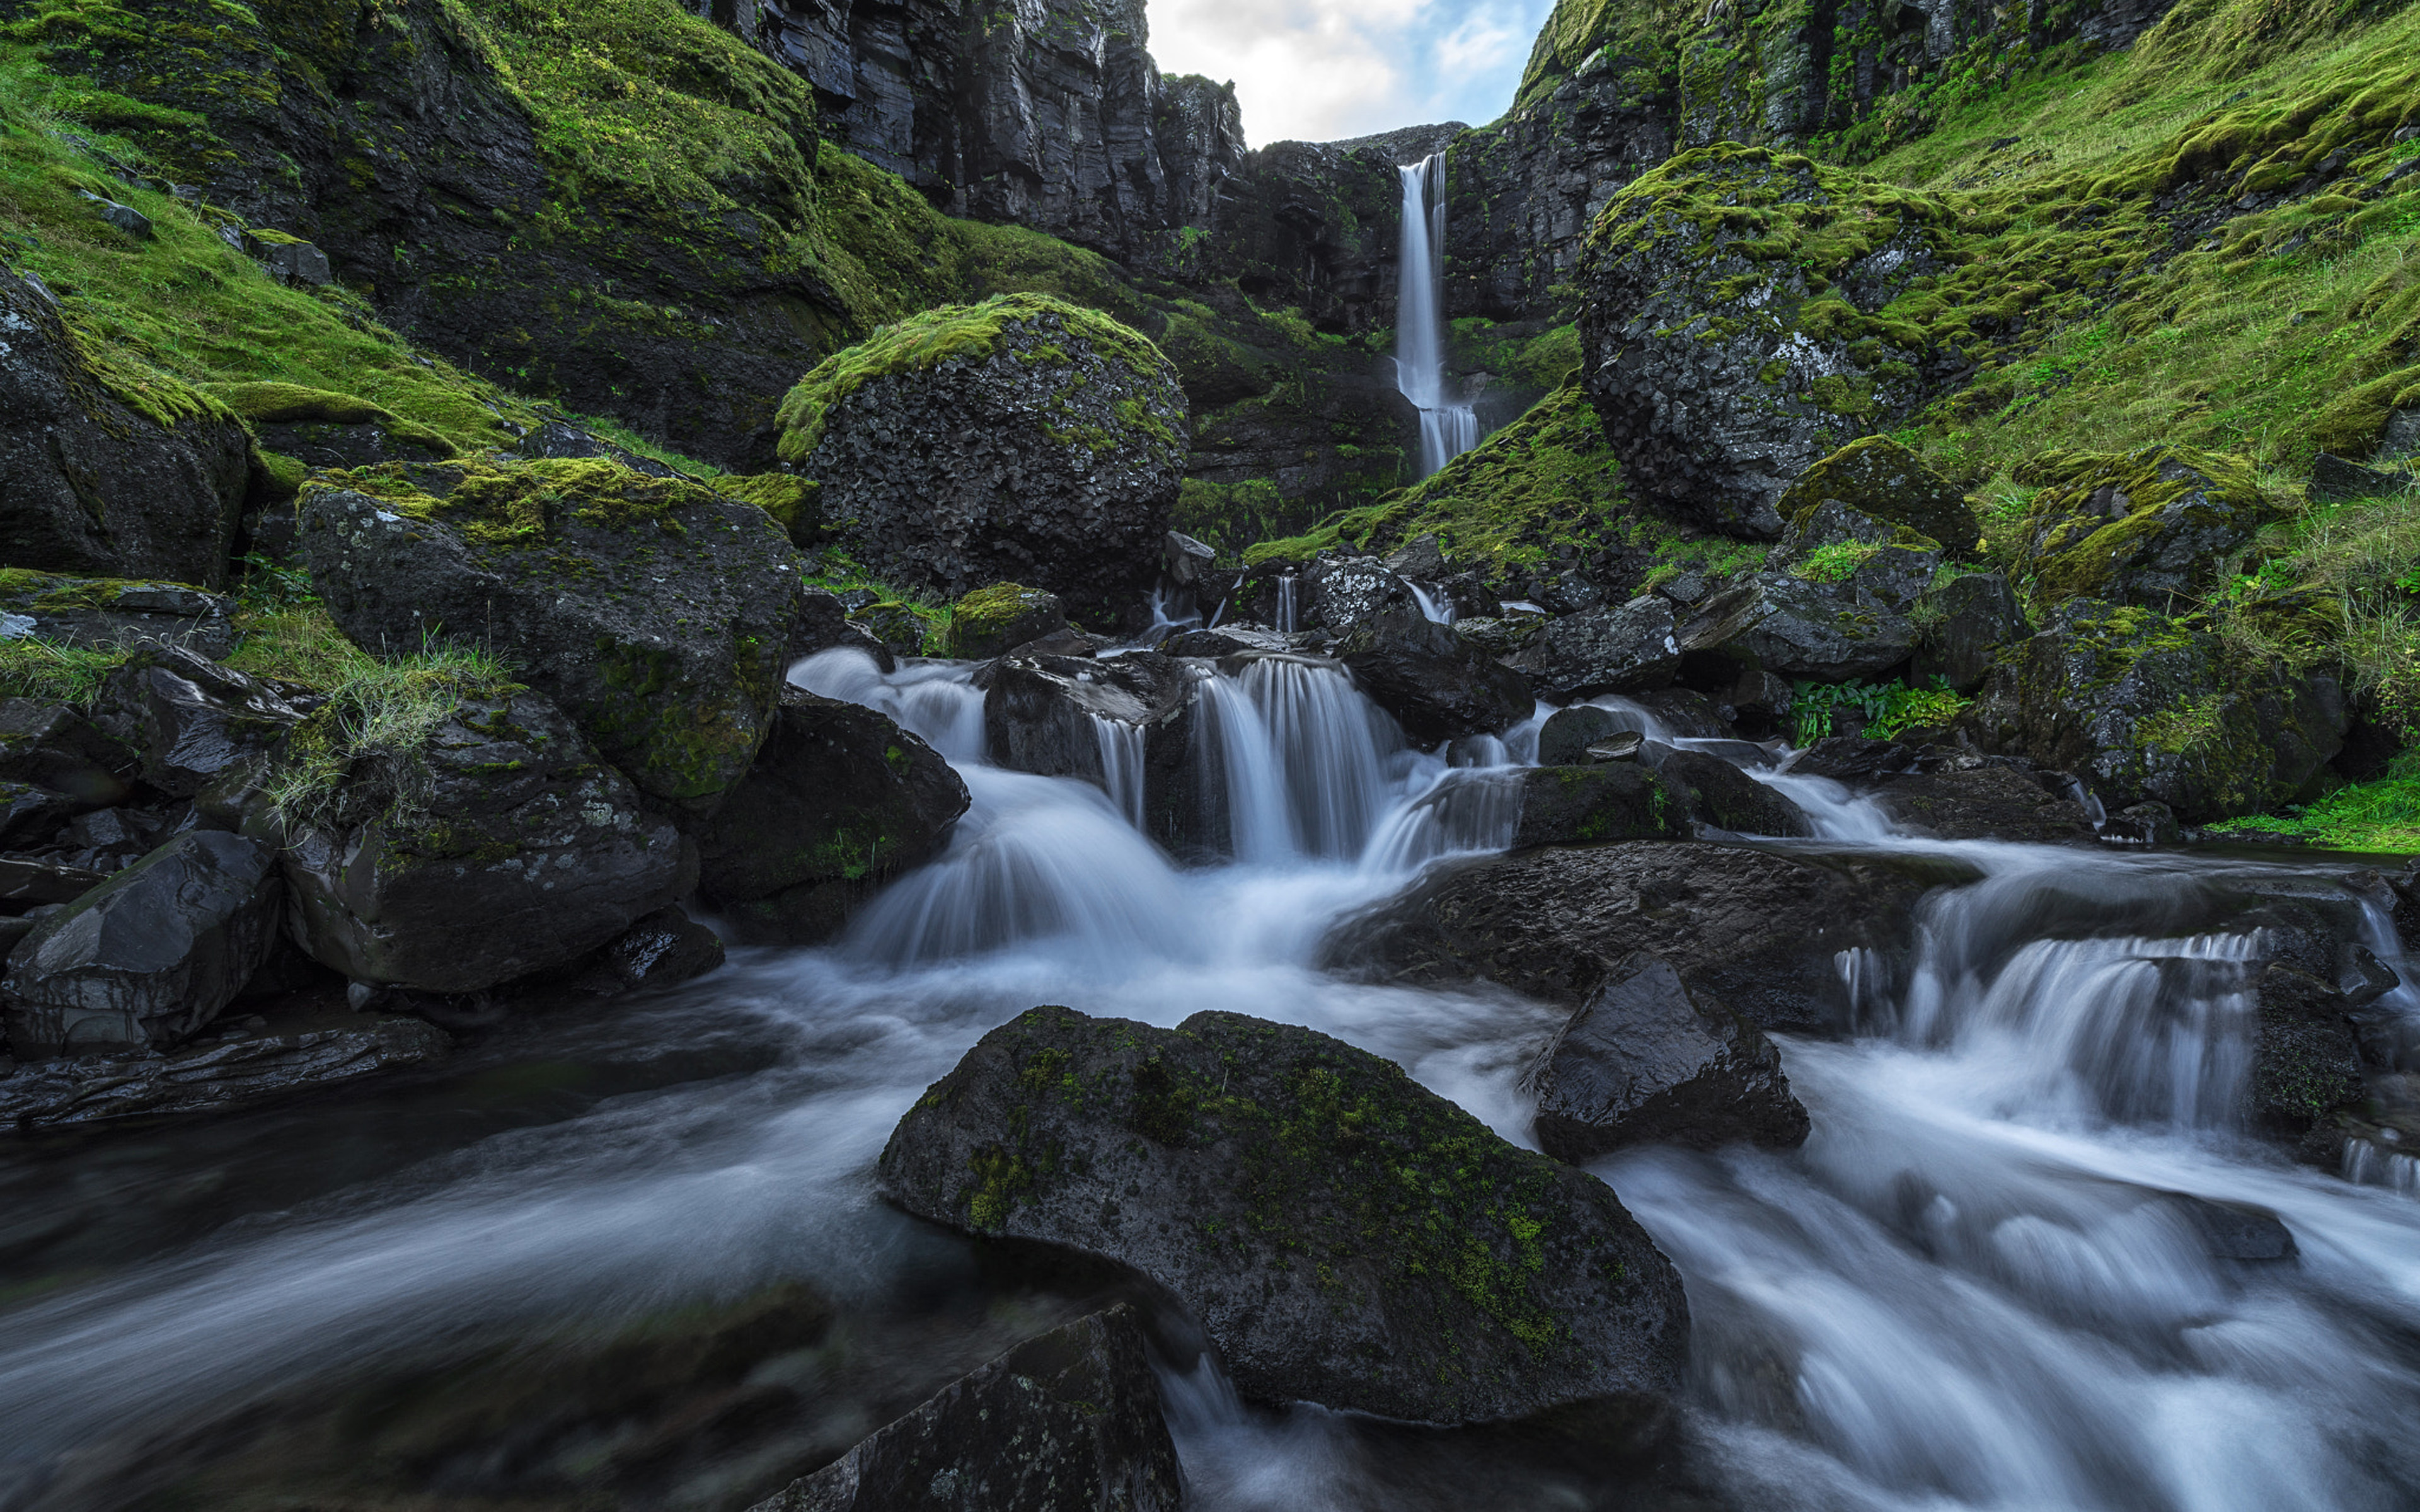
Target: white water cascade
[{"x": 1448, "y": 426}]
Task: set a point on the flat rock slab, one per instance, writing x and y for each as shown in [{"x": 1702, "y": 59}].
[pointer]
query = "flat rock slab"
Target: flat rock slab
[
  {"x": 1066, "y": 1421},
  {"x": 1346, "y": 1236},
  {"x": 234, "y": 1074}
]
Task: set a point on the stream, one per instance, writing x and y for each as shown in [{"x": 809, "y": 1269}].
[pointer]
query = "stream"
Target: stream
[{"x": 1981, "y": 1283}]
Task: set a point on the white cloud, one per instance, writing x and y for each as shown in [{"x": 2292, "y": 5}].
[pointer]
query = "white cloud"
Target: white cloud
[{"x": 1321, "y": 70}]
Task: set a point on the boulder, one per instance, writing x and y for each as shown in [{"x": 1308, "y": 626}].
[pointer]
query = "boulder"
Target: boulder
[
  {"x": 823, "y": 625},
  {"x": 1882, "y": 479},
  {"x": 1796, "y": 627},
  {"x": 1991, "y": 801},
  {"x": 315, "y": 429},
  {"x": 109, "y": 612},
  {"x": 1437, "y": 686},
  {"x": 1628, "y": 649},
  {"x": 2305, "y": 1061},
  {"x": 148, "y": 958},
  {"x": 1340, "y": 594},
  {"x": 993, "y": 620},
  {"x": 1726, "y": 349},
  {"x": 1725, "y": 798},
  {"x": 2144, "y": 526},
  {"x": 840, "y": 800},
  {"x": 1075, "y": 716},
  {"x": 1185, "y": 561},
  {"x": 1591, "y": 805},
  {"x": 498, "y": 847},
  {"x": 1857, "y": 760},
  {"x": 29, "y": 815},
  {"x": 1564, "y": 739},
  {"x": 237, "y": 1072},
  {"x": 53, "y": 749},
  {"x": 1067, "y": 1422},
  {"x": 1760, "y": 929},
  {"x": 655, "y": 611},
  {"x": 1961, "y": 628},
  {"x": 663, "y": 949},
  {"x": 110, "y": 469},
  {"x": 1021, "y": 440},
  {"x": 1346, "y": 1236},
  {"x": 1646, "y": 1059},
  {"x": 1503, "y": 634},
  {"x": 2142, "y": 705},
  {"x": 192, "y": 722},
  {"x": 1887, "y": 564}
]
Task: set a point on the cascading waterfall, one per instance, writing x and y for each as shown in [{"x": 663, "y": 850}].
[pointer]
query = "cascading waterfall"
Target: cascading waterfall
[{"x": 1448, "y": 427}]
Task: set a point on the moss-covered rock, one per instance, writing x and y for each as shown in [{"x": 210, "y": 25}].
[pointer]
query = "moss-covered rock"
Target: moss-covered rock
[
  {"x": 1737, "y": 323},
  {"x": 114, "y": 612},
  {"x": 316, "y": 428},
  {"x": 2146, "y": 705},
  {"x": 2151, "y": 527},
  {"x": 1878, "y": 477},
  {"x": 1595, "y": 804},
  {"x": 656, "y": 611},
  {"x": 1346, "y": 1236},
  {"x": 1022, "y": 438},
  {"x": 1000, "y": 618}
]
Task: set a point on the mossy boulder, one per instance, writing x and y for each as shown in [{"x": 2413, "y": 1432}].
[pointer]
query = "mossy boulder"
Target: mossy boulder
[
  {"x": 1597, "y": 804},
  {"x": 1346, "y": 1236},
  {"x": 991, "y": 621},
  {"x": 109, "y": 469},
  {"x": 2152, "y": 526},
  {"x": 655, "y": 612},
  {"x": 1883, "y": 480},
  {"x": 1737, "y": 324},
  {"x": 1021, "y": 440},
  {"x": 2146, "y": 705},
  {"x": 114, "y": 612},
  {"x": 320, "y": 429}
]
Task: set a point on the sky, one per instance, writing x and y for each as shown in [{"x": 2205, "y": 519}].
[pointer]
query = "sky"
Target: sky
[{"x": 1319, "y": 70}]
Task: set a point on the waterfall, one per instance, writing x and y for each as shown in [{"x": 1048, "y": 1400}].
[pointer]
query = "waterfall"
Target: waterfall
[{"x": 1447, "y": 429}]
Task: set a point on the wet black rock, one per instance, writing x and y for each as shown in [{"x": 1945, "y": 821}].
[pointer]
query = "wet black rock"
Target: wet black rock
[
  {"x": 1646, "y": 1059},
  {"x": 1050, "y": 714},
  {"x": 1994, "y": 802},
  {"x": 499, "y": 848},
  {"x": 1725, "y": 798},
  {"x": 663, "y": 949},
  {"x": 1067, "y": 1422},
  {"x": 1437, "y": 686},
  {"x": 31, "y": 880},
  {"x": 150, "y": 956},
  {"x": 1796, "y": 627},
  {"x": 1502, "y": 635},
  {"x": 2306, "y": 1061},
  {"x": 2148, "y": 823},
  {"x": 1458, "y": 1279},
  {"x": 1340, "y": 593},
  {"x": 1760, "y": 931},
  {"x": 823, "y": 625},
  {"x": 51, "y": 746},
  {"x": 1564, "y": 739},
  {"x": 103, "y": 611},
  {"x": 1962, "y": 626},
  {"x": 2233, "y": 1232},
  {"x": 192, "y": 720},
  {"x": 1627, "y": 649},
  {"x": 238, "y": 1070},
  {"x": 1608, "y": 800},
  {"x": 104, "y": 481},
  {"x": 840, "y": 800},
  {"x": 1857, "y": 760}
]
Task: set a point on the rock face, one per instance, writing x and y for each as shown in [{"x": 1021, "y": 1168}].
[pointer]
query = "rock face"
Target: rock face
[
  {"x": 191, "y": 720},
  {"x": 1631, "y": 649},
  {"x": 1724, "y": 365},
  {"x": 1646, "y": 1059},
  {"x": 1020, "y": 439},
  {"x": 1837, "y": 604},
  {"x": 839, "y": 800},
  {"x": 235, "y": 1074},
  {"x": 655, "y": 611},
  {"x": 50, "y": 747},
  {"x": 1758, "y": 930},
  {"x": 1459, "y": 1279},
  {"x": 107, "y": 611},
  {"x": 150, "y": 956},
  {"x": 1591, "y": 805},
  {"x": 501, "y": 846},
  {"x": 1437, "y": 686},
  {"x": 2144, "y": 526},
  {"x": 2306, "y": 1059},
  {"x": 2144, "y": 706},
  {"x": 1961, "y": 626},
  {"x": 109, "y": 470},
  {"x": 1059, "y": 715},
  {"x": 1069, "y": 1422},
  {"x": 1994, "y": 802}
]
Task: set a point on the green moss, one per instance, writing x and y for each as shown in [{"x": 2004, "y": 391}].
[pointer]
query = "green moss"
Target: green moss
[
  {"x": 792, "y": 501},
  {"x": 2380, "y": 817},
  {"x": 992, "y": 619},
  {"x": 1835, "y": 563},
  {"x": 34, "y": 669}
]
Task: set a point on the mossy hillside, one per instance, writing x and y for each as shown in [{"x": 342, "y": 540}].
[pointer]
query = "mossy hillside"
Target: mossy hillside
[
  {"x": 2093, "y": 516},
  {"x": 1634, "y": 41}
]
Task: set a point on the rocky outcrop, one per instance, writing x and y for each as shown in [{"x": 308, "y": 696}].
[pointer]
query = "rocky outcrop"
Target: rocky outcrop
[
  {"x": 149, "y": 957},
  {"x": 2150, "y": 527},
  {"x": 1962, "y": 626},
  {"x": 1318, "y": 225},
  {"x": 1436, "y": 685},
  {"x": 192, "y": 720},
  {"x": 1021, "y": 440},
  {"x": 1725, "y": 798},
  {"x": 1759, "y": 930},
  {"x": 49, "y": 747},
  {"x": 840, "y": 800},
  {"x": 111, "y": 469},
  {"x": 1882, "y": 480},
  {"x": 655, "y": 612},
  {"x": 1986, "y": 802},
  {"x": 1459, "y": 1279},
  {"x": 1629, "y": 649},
  {"x": 1593, "y": 805},
  {"x": 1067, "y": 1422},
  {"x": 1647, "y": 1060},
  {"x": 238, "y": 1070},
  {"x": 107, "y": 611}
]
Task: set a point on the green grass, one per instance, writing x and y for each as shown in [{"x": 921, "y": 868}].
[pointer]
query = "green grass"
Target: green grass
[
  {"x": 2380, "y": 817},
  {"x": 31, "y": 668},
  {"x": 376, "y": 708}
]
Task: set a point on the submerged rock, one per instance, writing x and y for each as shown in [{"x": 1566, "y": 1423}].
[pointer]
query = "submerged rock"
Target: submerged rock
[
  {"x": 1647, "y": 1061},
  {"x": 1346, "y": 1236},
  {"x": 1067, "y": 1422},
  {"x": 2305, "y": 1061},
  {"x": 1607, "y": 800},
  {"x": 1437, "y": 686},
  {"x": 239, "y": 1071}
]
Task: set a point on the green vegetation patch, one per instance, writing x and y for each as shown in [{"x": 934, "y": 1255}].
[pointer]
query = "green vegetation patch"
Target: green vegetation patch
[
  {"x": 2380, "y": 817},
  {"x": 376, "y": 708}
]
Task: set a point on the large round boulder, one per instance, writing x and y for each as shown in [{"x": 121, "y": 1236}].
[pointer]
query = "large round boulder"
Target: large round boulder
[
  {"x": 1346, "y": 1236},
  {"x": 1733, "y": 325},
  {"x": 1022, "y": 440}
]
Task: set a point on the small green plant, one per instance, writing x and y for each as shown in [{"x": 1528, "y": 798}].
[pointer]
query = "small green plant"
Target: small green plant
[
  {"x": 1889, "y": 708},
  {"x": 1837, "y": 563},
  {"x": 379, "y": 709}
]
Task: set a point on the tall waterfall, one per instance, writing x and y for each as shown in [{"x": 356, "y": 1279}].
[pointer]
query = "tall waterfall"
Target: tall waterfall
[{"x": 1447, "y": 429}]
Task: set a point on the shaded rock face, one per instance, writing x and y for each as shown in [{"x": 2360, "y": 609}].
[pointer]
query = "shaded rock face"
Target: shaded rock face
[
  {"x": 1437, "y": 686},
  {"x": 1723, "y": 795},
  {"x": 1460, "y": 1279},
  {"x": 2142, "y": 706},
  {"x": 1881, "y": 479},
  {"x": 503, "y": 847},
  {"x": 1755, "y": 929},
  {"x": 839, "y": 800},
  {"x": 150, "y": 956},
  {"x": 1563, "y": 740},
  {"x": 49, "y": 747},
  {"x": 2306, "y": 1059},
  {"x": 1069, "y": 1422},
  {"x": 1053, "y": 461},
  {"x": 1631, "y": 649},
  {"x": 192, "y": 720},
  {"x": 1073, "y": 715},
  {"x": 109, "y": 470},
  {"x": 1647, "y": 1061},
  {"x": 1776, "y": 621},
  {"x": 1318, "y": 225},
  {"x": 239, "y": 1072},
  {"x": 657, "y": 612},
  {"x": 1994, "y": 802},
  {"x": 1961, "y": 626},
  {"x": 2144, "y": 526},
  {"x": 86, "y": 611},
  {"x": 1591, "y": 805},
  {"x": 1340, "y": 594}
]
